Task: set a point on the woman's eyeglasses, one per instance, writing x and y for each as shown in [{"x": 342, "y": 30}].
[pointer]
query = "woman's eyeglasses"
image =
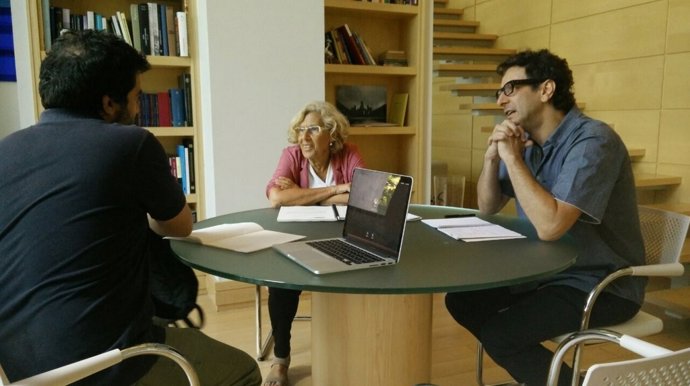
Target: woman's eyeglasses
[
  {"x": 509, "y": 88},
  {"x": 312, "y": 130}
]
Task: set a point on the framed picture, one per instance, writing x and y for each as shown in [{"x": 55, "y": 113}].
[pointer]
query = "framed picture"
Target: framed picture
[{"x": 362, "y": 105}]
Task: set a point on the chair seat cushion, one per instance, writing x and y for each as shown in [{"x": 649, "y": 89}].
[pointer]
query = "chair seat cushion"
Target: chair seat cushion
[{"x": 641, "y": 325}]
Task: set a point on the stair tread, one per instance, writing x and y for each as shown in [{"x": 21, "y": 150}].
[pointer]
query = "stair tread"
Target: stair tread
[
  {"x": 649, "y": 180},
  {"x": 474, "y": 51},
  {"x": 455, "y": 23},
  {"x": 488, "y": 67},
  {"x": 471, "y": 87},
  {"x": 678, "y": 207},
  {"x": 463, "y": 36},
  {"x": 449, "y": 11}
]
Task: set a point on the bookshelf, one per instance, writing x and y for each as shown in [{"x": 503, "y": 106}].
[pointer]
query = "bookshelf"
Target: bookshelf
[
  {"x": 387, "y": 27},
  {"x": 163, "y": 75}
]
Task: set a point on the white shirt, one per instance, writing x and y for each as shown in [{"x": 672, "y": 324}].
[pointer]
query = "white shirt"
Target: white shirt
[{"x": 316, "y": 182}]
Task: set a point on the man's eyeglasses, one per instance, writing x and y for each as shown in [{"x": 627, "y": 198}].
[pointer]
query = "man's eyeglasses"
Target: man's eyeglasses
[
  {"x": 509, "y": 88},
  {"x": 312, "y": 130}
]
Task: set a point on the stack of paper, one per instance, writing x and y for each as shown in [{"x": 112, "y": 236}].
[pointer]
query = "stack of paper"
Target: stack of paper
[{"x": 472, "y": 229}]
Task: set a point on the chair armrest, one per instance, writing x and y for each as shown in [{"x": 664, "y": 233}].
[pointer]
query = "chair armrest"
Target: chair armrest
[
  {"x": 640, "y": 347},
  {"x": 73, "y": 372},
  {"x": 669, "y": 269}
]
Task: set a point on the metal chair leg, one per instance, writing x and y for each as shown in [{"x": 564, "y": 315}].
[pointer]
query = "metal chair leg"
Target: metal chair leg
[{"x": 262, "y": 346}]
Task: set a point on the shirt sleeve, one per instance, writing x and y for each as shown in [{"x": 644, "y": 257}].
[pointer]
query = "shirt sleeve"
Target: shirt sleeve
[
  {"x": 288, "y": 166},
  {"x": 589, "y": 174},
  {"x": 158, "y": 191}
]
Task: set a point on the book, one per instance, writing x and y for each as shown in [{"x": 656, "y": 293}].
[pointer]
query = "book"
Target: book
[
  {"x": 182, "y": 168},
  {"x": 170, "y": 24},
  {"x": 164, "y": 109},
  {"x": 189, "y": 144},
  {"x": 368, "y": 58},
  {"x": 145, "y": 35},
  {"x": 241, "y": 237},
  {"x": 136, "y": 31},
  {"x": 154, "y": 29},
  {"x": 396, "y": 113},
  {"x": 311, "y": 213},
  {"x": 163, "y": 27},
  {"x": 124, "y": 28},
  {"x": 181, "y": 28},
  {"x": 350, "y": 44},
  {"x": 185, "y": 84},
  {"x": 177, "y": 104}
]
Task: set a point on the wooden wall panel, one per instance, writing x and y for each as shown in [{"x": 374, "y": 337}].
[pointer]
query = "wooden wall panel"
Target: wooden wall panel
[
  {"x": 627, "y": 33},
  {"x": 452, "y": 130},
  {"x": 674, "y": 138},
  {"x": 638, "y": 129},
  {"x": 681, "y": 193},
  {"x": 522, "y": 15},
  {"x": 534, "y": 39},
  {"x": 569, "y": 9},
  {"x": 676, "y": 93},
  {"x": 678, "y": 38},
  {"x": 620, "y": 85}
]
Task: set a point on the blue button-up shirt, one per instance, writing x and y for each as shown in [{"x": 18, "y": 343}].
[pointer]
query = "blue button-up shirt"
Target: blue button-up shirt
[{"x": 584, "y": 163}]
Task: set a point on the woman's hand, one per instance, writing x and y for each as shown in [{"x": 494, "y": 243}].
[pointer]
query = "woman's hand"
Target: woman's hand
[{"x": 284, "y": 183}]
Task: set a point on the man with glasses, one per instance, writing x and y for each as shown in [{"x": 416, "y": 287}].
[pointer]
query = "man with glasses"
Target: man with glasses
[{"x": 569, "y": 174}]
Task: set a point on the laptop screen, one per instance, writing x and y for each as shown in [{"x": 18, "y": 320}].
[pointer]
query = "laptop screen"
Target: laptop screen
[{"x": 377, "y": 209}]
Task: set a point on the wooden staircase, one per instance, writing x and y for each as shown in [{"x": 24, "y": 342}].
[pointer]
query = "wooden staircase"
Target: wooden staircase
[{"x": 470, "y": 59}]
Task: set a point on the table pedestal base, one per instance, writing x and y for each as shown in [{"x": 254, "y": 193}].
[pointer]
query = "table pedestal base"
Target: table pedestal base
[{"x": 371, "y": 339}]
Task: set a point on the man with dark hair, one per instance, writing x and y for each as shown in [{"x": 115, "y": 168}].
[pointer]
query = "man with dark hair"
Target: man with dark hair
[
  {"x": 79, "y": 191},
  {"x": 568, "y": 174}
]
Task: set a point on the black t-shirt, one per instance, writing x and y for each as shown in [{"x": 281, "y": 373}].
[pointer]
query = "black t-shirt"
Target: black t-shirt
[{"x": 75, "y": 193}]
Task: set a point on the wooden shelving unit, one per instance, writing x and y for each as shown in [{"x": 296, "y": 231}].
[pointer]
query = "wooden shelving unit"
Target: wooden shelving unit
[
  {"x": 386, "y": 27},
  {"x": 162, "y": 76}
]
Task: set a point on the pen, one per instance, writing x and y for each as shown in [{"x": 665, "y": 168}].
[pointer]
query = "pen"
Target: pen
[
  {"x": 459, "y": 215},
  {"x": 335, "y": 211}
]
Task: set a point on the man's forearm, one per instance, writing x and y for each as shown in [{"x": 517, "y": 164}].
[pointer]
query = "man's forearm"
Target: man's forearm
[{"x": 489, "y": 197}]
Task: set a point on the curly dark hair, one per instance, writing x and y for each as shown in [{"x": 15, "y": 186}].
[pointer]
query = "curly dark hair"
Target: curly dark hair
[
  {"x": 83, "y": 66},
  {"x": 545, "y": 65}
]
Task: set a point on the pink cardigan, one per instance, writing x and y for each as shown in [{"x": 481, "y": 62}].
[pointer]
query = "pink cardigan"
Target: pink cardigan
[{"x": 294, "y": 166}]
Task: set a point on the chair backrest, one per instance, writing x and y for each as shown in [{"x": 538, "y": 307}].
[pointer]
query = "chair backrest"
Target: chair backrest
[
  {"x": 672, "y": 369},
  {"x": 663, "y": 233}
]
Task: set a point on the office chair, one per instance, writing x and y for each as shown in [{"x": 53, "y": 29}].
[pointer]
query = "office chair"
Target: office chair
[
  {"x": 663, "y": 233},
  {"x": 262, "y": 345},
  {"x": 73, "y": 372},
  {"x": 658, "y": 366}
]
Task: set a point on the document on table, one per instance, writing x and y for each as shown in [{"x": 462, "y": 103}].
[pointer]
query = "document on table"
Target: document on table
[
  {"x": 311, "y": 213},
  {"x": 471, "y": 229},
  {"x": 241, "y": 237},
  {"x": 319, "y": 213}
]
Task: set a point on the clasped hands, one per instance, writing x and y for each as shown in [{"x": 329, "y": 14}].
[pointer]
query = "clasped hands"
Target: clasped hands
[{"x": 507, "y": 141}]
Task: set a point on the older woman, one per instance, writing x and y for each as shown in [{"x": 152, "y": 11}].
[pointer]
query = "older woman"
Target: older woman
[{"x": 316, "y": 170}]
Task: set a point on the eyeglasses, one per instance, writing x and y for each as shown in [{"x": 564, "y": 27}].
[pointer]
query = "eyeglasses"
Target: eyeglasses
[
  {"x": 312, "y": 130},
  {"x": 509, "y": 87}
]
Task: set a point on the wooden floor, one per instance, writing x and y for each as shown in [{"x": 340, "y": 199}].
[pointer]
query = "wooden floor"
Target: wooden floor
[{"x": 453, "y": 348}]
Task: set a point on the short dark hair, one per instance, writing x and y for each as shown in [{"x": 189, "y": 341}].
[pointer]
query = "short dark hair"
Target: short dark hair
[
  {"x": 84, "y": 66},
  {"x": 545, "y": 65}
]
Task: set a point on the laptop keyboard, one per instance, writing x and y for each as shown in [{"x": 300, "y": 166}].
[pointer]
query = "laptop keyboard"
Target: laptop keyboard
[{"x": 344, "y": 252}]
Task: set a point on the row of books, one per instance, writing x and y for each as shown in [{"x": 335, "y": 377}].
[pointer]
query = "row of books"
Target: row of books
[
  {"x": 153, "y": 29},
  {"x": 344, "y": 46},
  {"x": 167, "y": 108},
  {"x": 182, "y": 166}
]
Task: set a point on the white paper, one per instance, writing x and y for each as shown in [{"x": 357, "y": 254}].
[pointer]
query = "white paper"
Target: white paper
[
  {"x": 472, "y": 229},
  {"x": 310, "y": 213},
  {"x": 241, "y": 237}
]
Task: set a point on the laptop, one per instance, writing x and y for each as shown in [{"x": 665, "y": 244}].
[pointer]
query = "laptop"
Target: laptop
[{"x": 373, "y": 230}]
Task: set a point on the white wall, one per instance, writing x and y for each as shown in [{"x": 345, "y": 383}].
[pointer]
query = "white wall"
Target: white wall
[
  {"x": 261, "y": 60},
  {"x": 8, "y": 108}
]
